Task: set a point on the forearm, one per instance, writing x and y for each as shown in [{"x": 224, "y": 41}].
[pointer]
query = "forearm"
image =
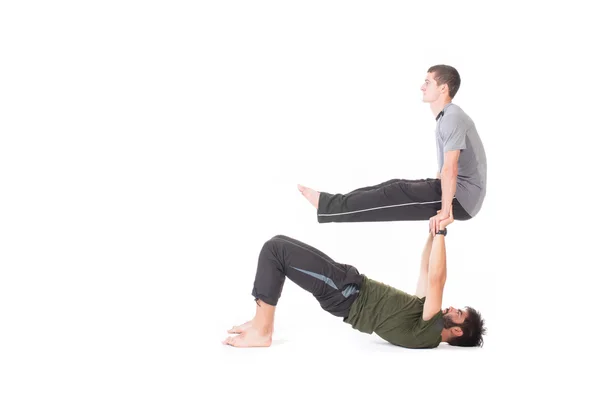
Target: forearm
[
  {"x": 437, "y": 259},
  {"x": 426, "y": 253},
  {"x": 449, "y": 178},
  {"x": 424, "y": 274}
]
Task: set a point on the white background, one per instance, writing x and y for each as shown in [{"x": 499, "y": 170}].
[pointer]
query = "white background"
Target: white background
[{"x": 149, "y": 149}]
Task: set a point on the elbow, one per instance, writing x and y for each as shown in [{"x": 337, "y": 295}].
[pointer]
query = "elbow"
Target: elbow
[{"x": 450, "y": 172}]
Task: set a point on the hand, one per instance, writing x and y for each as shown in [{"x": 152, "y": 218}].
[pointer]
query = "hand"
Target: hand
[
  {"x": 440, "y": 221},
  {"x": 445, "y": 222}
]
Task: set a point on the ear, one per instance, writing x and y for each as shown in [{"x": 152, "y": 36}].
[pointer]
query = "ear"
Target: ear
[
  {"x": 456, "y": 331},
  {"x": 444, "y": 88}
]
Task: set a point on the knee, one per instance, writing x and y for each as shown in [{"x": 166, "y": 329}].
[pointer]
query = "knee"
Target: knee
[
  {"x": 277, "y": 243},
  {"x": 278, "y": 238},
  {"x": 272, "y": 243},
  {"x": 273, "y": 248}
]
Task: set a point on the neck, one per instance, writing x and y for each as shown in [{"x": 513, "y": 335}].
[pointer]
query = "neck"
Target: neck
[
  {"x": 446, "y": 335},
  {"x": 438, "y": 105}
]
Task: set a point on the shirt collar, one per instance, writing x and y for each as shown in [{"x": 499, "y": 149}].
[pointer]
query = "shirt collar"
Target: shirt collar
[{"x": 441, "y": 114}]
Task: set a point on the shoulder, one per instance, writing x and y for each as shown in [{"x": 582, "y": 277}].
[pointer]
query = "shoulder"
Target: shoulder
[
  {"x": 452, "y": 114},
  {"x": 428, "y": 333},
  {"x": 437, "y": 318},
  {"x": 433, "y": 324},
  {"x": 454, "y": 117}
]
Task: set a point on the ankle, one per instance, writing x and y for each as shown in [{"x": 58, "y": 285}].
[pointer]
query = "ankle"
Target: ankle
[{"x": 263, "y": 328}]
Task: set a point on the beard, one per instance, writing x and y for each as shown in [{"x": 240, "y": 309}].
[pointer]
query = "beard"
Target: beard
[{"x": 448, "y": 323}]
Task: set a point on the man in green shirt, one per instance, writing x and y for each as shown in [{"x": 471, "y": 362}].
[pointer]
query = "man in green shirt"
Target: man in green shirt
[{"x": 369, "y": 306}]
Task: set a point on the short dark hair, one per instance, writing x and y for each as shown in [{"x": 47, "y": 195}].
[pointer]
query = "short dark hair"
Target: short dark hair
[
  {"x": 446, "y": 74},
  {"x": 473, "y": 329}
]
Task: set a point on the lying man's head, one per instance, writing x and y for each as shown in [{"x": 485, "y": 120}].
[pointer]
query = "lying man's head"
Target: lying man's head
[{"x": 466, "y": 327}]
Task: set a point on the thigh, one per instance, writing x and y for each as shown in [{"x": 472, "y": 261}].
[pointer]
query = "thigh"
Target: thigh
[
  {"x": 333, "y": 284},
  {"x": 459, "y": 213},
  {"x": 390, "y": 182}
]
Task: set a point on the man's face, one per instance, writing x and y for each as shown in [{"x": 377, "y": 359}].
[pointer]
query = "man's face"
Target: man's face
[
  {"x": 454, "y": 317},
  {"x": 431, "y": 90}
]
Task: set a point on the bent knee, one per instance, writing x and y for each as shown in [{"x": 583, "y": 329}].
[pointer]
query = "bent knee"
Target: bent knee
[
  {"x": 278, "y": 238},
  {"x": 278, "y": 242},
  {"x": 274, "y": 241}
]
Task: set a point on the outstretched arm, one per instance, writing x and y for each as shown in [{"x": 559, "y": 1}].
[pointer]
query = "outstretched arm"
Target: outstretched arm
[
  {"x": 424, "y": 274},
  {"x": 437, "y": 273}
]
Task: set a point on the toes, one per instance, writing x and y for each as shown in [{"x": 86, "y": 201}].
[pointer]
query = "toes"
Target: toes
[
  {"x": 228, "y": 341},
  {"x": 237, "y": 341}
]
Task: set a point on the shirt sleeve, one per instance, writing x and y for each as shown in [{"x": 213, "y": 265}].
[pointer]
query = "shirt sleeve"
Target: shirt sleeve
[
  {"x": 428, "y": 332},
  {"x": 453, "y": 133},
  {"x": 423, "y": 325}
]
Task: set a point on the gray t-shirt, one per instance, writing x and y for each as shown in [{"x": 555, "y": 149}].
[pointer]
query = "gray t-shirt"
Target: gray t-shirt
[{"x": 456, "y": 131}]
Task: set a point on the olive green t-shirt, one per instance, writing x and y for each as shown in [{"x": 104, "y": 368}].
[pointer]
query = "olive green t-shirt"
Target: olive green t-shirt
[{"x": 395, "y": 316}]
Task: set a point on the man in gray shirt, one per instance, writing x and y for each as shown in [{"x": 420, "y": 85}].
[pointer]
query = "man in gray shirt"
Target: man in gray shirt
[{"x": 460, "y": 185}]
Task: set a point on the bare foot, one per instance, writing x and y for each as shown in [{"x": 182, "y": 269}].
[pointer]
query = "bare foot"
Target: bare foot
[
  {"x": 311, "y": 195},
  {"x": 251, "y": 338},
  {"x": 240, "y": 328}
]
